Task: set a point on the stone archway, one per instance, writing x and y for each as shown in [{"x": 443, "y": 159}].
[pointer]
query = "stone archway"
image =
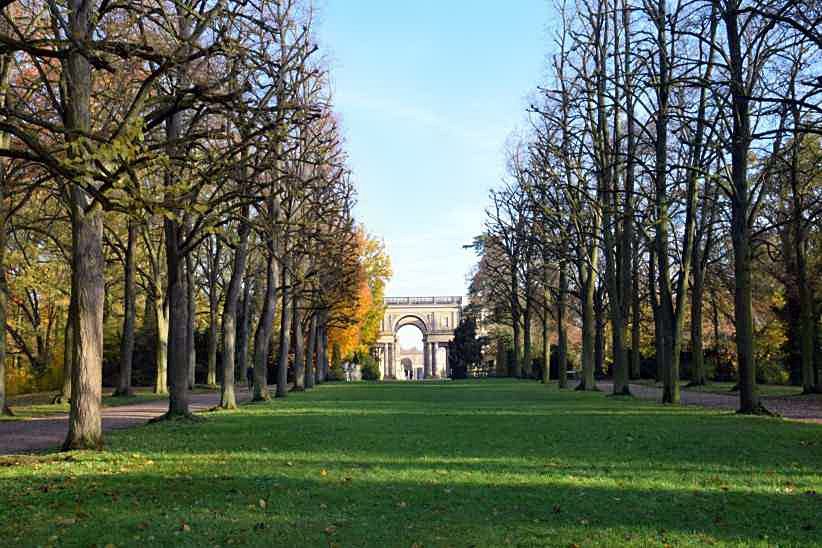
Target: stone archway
[
  {"x": 410, "y": 319},
  {"x": 435, "y": 317}
]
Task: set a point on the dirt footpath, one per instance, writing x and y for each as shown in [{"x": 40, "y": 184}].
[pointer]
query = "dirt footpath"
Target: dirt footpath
[
  {"x": 804, "y": 408},
  {"x": 37, "y": 434}
]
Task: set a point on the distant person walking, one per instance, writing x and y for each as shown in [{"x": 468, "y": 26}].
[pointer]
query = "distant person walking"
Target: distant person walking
[{"x": 249, "y": 374}]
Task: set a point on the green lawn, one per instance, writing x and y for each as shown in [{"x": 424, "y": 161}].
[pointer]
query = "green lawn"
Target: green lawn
[
  {"x": 26, "y": 406},
  {"x": 481, "y": 463}
]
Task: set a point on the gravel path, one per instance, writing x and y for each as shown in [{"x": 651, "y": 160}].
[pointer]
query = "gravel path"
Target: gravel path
[
  {"x": 804, "y": 408},
  {"x": 37, "y": 434}
]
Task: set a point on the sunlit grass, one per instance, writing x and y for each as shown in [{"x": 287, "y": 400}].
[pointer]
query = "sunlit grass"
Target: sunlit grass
[{"x": 489, "y": 463}]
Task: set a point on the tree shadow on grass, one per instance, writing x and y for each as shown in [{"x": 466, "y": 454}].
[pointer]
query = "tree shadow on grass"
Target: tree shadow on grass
[
  {"x": 377, "y": 466},
  {"x": 363, "y": 511}
]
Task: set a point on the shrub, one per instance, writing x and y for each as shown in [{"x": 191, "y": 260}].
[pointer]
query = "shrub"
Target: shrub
[
  {"x": 336, "y": 373},
  {"x": 369, "y": 368},
  {"x": 771, "y": 372}
]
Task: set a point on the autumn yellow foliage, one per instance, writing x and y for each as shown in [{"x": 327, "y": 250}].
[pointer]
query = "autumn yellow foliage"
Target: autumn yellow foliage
[{"x": 365, "y": 310}]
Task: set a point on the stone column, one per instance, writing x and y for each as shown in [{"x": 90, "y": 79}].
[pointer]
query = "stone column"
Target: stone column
[
  {"x": 389, "y": 370},
  {"x": 384, "y": 360},
  {"x": 434, "y": 348},
  {"x": 426, "y": 359},
  {"x": 447, "y": 361},
  {"x": 395, "y": 356},
  {"x": 395, "y": 353}
]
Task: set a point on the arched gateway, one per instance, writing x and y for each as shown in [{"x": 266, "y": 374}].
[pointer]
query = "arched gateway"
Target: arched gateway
[{"x": 435, "y": 317}]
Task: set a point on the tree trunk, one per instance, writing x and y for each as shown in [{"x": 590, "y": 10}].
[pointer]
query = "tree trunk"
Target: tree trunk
[
  {"x": 670, "y": 354},
  {"x": 5, "y": 71},
  {"x": 228, "y": 398},
  {"x": 69, "y": 354},
  {"x": 740, "y": 214},
  {"x": 177, "y": 322},
  {"x": 299, "y": 344},
  {"x": 85, "y": 420},
  {"x": 322, "y": 340},
  {"x": 129, "y": 317},
  {"x": 806, "y": 301},
  {"x": 213, "y": 303},
  {"x": 599, "y": 341},
  {"x": 630, "y": 238},
  {"x": 211, "y": 374},
  {"x": 588, "y": 327},
  {"x": 562, "y": 334},
  {"x": 161, "y": 348},
  {"x": 699, "y": 376},
  {"x": 85, "y": 423},
  {"x": 243, "y": 329},
  {"x": 817, "y": 355},
  {"x": 515, "y": 368},
  {"x": 546, "y": 344},
  {"x": 285, "y": 331},
  {"x": 310, "y": 360},
  {"x": 659, "y": 347},
  {"x": 191, "y": 347},
  {"x": 692, "y": 250},
  {"x": 527, "y": 359},
  {"x": 636, "y": 371},
  {"x": 4, "y": 409},
  {"x": 318, "y": 368},
  {"x": 265, "y": 326}
]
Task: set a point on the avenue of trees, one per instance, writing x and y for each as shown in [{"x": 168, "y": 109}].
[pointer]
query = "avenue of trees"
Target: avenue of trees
[
  {"x": 670, "y": 177},
  {"x": 171, "y": 169}
]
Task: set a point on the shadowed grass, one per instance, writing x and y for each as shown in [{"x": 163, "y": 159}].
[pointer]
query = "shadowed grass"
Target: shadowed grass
[{"x": 489, "y": 463}]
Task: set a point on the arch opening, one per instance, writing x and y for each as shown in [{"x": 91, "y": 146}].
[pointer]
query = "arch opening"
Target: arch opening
[{"x": 410, "y": 339}]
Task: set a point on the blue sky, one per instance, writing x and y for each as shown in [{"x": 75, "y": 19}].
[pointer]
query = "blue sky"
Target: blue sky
[{"x": 428, "y": 92}]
